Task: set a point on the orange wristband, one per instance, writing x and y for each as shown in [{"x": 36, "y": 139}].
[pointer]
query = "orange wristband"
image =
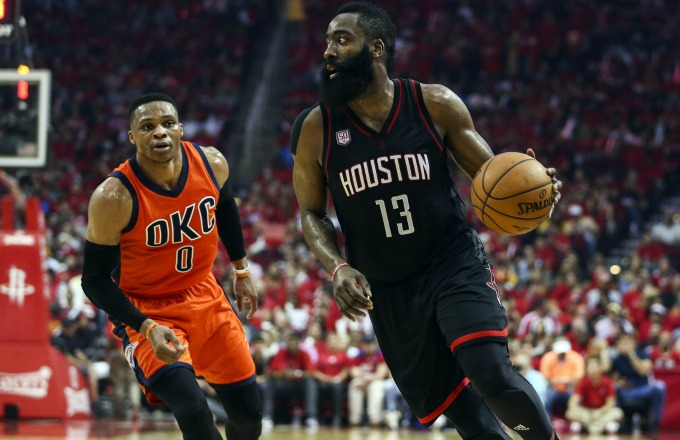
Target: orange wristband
[{"x": 148, "y": 329}]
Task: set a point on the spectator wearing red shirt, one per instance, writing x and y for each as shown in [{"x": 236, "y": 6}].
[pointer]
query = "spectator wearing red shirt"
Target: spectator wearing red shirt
[
  {"x": 275, "y": 288},
  {"x": 566, "y": 290},
  {"x": 546, "y": 253},
  {"x": 650, "y": 249},
  {"x": 332, "y": 372},
  {"x": 651, "y": 327},
  {"x": 665, "y": 354},
  {"x": 593, "y": 403},
  {"x": 672, "y": 320},
  {"x": 290, "y": 378},
  {"x": 633, "y": 300}
]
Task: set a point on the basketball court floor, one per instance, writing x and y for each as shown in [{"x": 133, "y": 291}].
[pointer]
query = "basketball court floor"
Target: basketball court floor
[{"x": 166, "y": 430}]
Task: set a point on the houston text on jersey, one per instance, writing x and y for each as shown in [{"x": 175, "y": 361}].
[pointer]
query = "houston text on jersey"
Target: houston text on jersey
[{"x": 384, "y": 170}]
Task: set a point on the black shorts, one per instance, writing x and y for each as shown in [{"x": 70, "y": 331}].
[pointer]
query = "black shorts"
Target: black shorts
[{"x": 421, "y": 322}]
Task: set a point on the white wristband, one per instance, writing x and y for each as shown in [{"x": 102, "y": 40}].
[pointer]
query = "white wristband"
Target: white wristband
[{"x": 242, "y": 273}]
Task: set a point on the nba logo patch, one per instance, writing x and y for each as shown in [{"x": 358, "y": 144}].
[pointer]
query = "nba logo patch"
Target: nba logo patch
[{"x": 343, "y": 137}]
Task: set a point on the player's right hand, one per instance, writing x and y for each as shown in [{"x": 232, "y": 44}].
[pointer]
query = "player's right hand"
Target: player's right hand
[
  {"x": 352, "y": 293},
  {"x": 165, "y": 344}
]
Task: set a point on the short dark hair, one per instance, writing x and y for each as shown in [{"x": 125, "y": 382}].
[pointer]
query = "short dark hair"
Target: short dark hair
[
  {"x": 149, "y": 97},
  {"x": 376, "y": 24}
]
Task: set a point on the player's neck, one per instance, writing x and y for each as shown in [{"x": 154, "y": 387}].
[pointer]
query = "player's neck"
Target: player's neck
[
  {"x": 164, "y": 175},
  {"x": 376, "y": 100}
]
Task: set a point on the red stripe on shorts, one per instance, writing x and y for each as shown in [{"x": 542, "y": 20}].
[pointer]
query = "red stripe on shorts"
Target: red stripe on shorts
[
  {"x": 477, "y": 335},
  {"x": 441, "y": 408}
]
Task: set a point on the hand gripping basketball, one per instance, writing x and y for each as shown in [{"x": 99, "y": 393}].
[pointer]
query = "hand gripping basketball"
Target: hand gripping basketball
[{"x": 513, "y": 193}]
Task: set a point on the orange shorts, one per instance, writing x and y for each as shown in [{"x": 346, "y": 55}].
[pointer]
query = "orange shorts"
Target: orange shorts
[{"x": 205, "y": 322}]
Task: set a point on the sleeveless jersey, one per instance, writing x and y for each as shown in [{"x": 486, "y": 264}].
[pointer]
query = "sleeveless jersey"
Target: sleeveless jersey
[
  {"x": 171, "y": 241},
  {"x": 393, "y": 194}
]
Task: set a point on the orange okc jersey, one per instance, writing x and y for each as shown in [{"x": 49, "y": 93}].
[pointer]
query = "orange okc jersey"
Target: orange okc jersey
[{"x": 171, "y": 240}]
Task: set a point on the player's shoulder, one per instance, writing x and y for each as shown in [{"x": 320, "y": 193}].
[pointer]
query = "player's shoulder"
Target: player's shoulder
[
  {"x": 442, "y": 102},
  {"x": 111, "y": 190},
  {"x": 308, "y": 117},
  {"x": 111, "y": 198},
  {"x": 214, "y": 156},
  {"x": 438, "y": 94},
  {"x": 110, "y": 211},
  {"x": 217, "y": 162},
  {"x": 309, "y": 122}
]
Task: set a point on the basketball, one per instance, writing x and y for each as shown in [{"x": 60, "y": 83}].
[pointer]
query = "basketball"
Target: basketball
[{"x": 512, "y": 193}]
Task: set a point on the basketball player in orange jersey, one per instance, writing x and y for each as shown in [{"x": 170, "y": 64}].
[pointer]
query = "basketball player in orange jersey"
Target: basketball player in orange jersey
[
  {"x": 380, "y": 146},
  {"x": 152, "y": 237}
]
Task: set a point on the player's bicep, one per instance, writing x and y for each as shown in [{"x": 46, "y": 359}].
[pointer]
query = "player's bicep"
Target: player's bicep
[
  {"x": 309, "y": 185},
  {"x": 467, "y": 147},
  {"x": 109, "y": 212},
  {"x": 308, "y": 177}
]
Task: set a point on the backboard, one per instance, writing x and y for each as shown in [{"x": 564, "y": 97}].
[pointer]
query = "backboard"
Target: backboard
[{"x": 24, "y": 117}]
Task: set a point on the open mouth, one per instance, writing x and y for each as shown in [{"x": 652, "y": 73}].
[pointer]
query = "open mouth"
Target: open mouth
[
  {"x": 331, "y": 71},
  {"x": 161, "y": 146}
]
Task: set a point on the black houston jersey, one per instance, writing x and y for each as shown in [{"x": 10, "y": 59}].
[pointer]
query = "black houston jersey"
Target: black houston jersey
[{"x": 392, "y": 191}]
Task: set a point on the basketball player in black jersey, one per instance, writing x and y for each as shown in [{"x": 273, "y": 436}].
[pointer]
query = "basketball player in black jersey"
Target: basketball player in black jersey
[{"x": 380, "y": 146}]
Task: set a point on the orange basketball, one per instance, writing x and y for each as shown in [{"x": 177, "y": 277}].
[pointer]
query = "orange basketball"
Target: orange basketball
[{"x": 512, "y": 193}]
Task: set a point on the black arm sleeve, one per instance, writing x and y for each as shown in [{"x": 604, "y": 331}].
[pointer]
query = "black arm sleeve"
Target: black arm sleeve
[
  {"x": 99, "y": 261},
  {"x": 229, "y": 224}
]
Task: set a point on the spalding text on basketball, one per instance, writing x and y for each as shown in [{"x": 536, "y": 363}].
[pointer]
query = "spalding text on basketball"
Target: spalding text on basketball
[{"x": 528, "y": 207}]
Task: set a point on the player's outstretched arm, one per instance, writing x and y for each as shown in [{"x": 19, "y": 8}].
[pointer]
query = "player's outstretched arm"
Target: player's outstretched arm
[
  {"x": 109, "y": 213},
  {"x": 230, "y": 231},
  {"x": 352, "y": 292},
  {"x": 454, "y": 123}
]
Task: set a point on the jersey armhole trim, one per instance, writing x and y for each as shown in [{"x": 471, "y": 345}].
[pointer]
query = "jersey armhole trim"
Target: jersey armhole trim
[
  {"x": 297, "y": 128},
  {"x": 396, "y": 112},
  {"x": 325, "y": 112},
  {"x": 135, "y": 203},
  {"x": 206, "y": 164},
  {"x": 425, "y": 116}
]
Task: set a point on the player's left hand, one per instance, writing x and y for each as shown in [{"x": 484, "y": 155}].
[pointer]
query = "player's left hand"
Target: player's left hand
[
  {"x": 165, "y": 344},
  {"x": 246, "y": 295},
  {"x": 557, "y": 184},
  {"x": 352, "y": 293}
]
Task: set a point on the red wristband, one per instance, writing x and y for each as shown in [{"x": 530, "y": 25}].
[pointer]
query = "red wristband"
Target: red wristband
[{"x": 335, "y": 271}]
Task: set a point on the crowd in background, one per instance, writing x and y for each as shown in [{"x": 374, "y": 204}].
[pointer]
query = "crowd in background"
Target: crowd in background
[{"x": 592, "y": 86}]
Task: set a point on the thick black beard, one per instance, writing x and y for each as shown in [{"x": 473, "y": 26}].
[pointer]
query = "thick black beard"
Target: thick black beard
[{"x": 354, "y": 77}]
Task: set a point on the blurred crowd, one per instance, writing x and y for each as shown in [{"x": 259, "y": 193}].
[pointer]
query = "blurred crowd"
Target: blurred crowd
[{"x": 592, "y": 86}]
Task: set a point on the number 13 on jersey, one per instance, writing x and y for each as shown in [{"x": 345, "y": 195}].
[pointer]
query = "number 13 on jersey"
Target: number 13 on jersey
[{"x": 400, "y": 204}]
